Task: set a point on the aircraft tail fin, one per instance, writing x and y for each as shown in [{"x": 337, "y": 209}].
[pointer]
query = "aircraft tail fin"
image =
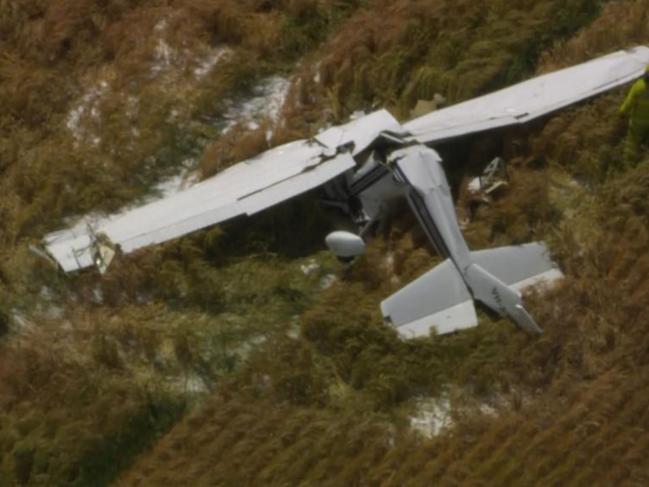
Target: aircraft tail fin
[
  {"x": 519, "y": 266},
  {"x": 497, "y": 276},
  {"x": 438, "y": 299}
]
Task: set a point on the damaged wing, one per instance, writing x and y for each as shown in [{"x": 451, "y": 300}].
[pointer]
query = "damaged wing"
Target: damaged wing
[
  {"x": 534, "y": 98},
  {"x": 243, "y": 189},
  {"x": 361, "y": 132}
]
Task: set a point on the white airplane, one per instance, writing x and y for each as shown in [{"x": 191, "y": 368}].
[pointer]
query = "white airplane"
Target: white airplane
[{"x": 374, "y": 161}]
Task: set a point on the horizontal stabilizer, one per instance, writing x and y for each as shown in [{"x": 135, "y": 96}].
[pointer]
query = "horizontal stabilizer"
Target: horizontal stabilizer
[
  {"x": 497, "y": 276},
  {"x": 439, "y": 299},
  {"x": 519, "y": 266}
]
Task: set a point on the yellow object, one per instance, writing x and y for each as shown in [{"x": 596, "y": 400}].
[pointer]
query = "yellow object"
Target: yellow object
[{"x": 636, "y": 105}]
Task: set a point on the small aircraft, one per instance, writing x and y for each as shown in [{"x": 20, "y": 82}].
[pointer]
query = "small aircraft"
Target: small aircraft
[{"x": 364, "y": 166}]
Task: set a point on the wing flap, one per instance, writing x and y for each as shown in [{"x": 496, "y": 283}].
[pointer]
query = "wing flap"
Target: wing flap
[{"x": 296, "y": 185}]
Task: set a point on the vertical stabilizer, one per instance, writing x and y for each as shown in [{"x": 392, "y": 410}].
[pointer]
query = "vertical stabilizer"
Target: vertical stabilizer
[
  {"x": 498, "y": 296},
  {"x": 497, "y": 276}
]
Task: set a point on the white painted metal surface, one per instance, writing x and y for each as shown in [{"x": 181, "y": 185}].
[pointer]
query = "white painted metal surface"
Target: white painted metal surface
[
  {"x": 245, "y": 188},
  {"x": 531, "y": 99},
  {"x": 70, "y": 249},
  {"x": 517, "y": 265},
  {"x": 459, "y": 317},
  {"x": 437, "y": 299},
  {"x": 309, "y": 179},
  {"x": 542, "y": 280},
  {"x": 361, "y": 132}
]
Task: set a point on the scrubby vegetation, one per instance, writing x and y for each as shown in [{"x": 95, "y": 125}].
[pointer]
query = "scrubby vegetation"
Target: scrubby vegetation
[{"x": 223, "y": 358}]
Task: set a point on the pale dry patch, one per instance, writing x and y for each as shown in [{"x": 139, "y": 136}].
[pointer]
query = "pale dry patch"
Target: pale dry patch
[
  {"x": 265, "y": 104},
  {"x": 432, "y": 416}
]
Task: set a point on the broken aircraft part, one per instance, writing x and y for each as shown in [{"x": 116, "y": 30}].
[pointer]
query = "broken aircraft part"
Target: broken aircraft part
[{"x": 394, "y": 160}]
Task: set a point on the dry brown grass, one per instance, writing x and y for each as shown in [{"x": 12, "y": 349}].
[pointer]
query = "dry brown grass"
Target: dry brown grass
[
  {"x": 100, "y": 380},
  {"x": 588, "y": 368},
  {"x": 619, "y": 26},
  {"x": 395, "y": 53},
  {"x": 328, "y": 408},
  {"x": 572, "y": 403}
]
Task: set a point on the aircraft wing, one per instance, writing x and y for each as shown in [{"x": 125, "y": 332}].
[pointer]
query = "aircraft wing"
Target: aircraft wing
[
  {"x": 243, "y": 189},
  {"x": 361, "y": 132},
  {"x": 531, "y": 99}
]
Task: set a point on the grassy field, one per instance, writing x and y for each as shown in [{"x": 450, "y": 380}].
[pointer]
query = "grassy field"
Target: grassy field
[{"x": 216, "y": 359}]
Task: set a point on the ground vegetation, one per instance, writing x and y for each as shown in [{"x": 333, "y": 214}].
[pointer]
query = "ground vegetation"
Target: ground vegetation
[{"x": 243, "y": 355}]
